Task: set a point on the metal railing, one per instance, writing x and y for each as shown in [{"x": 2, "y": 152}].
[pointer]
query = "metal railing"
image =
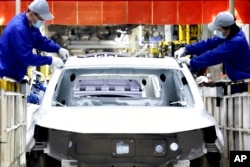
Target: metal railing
[
  {"x": 229, "y": 103},
  {"x": 13, "y": 108}
]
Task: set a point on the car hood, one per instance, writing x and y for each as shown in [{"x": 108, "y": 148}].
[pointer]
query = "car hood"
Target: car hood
[{"x": 123, "y": 119}]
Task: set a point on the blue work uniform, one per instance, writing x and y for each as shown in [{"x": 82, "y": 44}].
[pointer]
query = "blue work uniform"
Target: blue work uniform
[
  {"x": 16, "y": 44},
  {"x": 234, "y": 53}
]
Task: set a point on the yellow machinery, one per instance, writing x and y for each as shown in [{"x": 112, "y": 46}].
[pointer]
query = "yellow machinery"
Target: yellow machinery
[
  {"x": 45, "y": 70},
  {"x": 187, "y": 34}
]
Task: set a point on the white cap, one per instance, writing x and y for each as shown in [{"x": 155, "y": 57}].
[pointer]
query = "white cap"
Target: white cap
[
  {"x": 223, "y": 19},
  {"x": 201, "y": 79},
  {"x": 41, "y": 7}
]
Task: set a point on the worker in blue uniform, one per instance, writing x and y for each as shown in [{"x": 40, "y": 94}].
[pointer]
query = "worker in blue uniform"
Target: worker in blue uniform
[
  {"x": 21, "y": 36},
  {"x": 229, "y": 46}
]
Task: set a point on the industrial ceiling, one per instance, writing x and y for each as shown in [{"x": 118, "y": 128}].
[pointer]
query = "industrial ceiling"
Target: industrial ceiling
[{"x": 96, "y": 12}]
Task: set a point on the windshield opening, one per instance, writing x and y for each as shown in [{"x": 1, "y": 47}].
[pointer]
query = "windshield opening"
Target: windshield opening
[{"x": 132, "y": 87}]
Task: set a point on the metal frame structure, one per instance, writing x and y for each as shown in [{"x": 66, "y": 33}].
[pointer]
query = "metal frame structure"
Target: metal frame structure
[{"x": 231, "y": 111}]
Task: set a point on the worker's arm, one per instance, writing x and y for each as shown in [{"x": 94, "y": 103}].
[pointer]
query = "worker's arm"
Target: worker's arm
[
  {"x": 222, "y": 53},
  {"x": 22, "y": 47},
  {"x": 44, "y": 44},
  {"x": 203, "y": 46}
]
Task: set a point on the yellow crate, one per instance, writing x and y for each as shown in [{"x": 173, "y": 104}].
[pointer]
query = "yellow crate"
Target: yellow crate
[{"x": 9, "y": 85}]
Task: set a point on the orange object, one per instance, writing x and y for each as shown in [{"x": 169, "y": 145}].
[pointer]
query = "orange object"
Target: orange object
[
  {"x": 139, "y": 12},
  {"x": 212, "y": 8},
  {"x": 65, "y": 12},
  {"x": 7, "y": 11},
  {"x": 164, "y": 12},
  {"x": 25, "y": 4},
  {"x": 100, "y": 12},
  {"x": 114, "y": 12},
  {"x": 242, "y": 11},
  {"x": 189, "y": 12},
  {"x": 89, "y": 13}
]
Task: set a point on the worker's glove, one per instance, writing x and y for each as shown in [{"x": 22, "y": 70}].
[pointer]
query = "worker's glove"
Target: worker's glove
[
  {"x": 180, "y": 52},
  {"x": 56, "y": 61},
  {"x": 63, "y": 53},
  {"x": 26, "y": 78},
  {"x": 200, "y": 80},
  {"x": 185, "y": 59}
]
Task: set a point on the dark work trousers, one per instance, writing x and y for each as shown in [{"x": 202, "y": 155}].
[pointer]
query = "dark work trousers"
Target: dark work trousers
[{"x": 213, "y": 156}]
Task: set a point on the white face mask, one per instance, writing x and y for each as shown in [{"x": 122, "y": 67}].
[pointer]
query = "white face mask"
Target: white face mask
[
  {"x": 219, "y": 34},
  {"x": 38, "y": 23}
]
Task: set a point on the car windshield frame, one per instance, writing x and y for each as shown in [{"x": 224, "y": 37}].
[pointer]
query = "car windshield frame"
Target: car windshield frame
[{"x": 143, "y": 87}]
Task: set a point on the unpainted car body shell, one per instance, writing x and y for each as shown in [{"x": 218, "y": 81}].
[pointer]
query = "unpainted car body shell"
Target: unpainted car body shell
[{"x": 123, "y": 119}]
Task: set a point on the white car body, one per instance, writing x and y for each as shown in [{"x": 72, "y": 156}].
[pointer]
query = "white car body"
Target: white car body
[{"x": 119, "y": 124}]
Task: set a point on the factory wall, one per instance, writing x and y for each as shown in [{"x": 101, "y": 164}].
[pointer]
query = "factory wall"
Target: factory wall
[{"x": 97, "y": 12}]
